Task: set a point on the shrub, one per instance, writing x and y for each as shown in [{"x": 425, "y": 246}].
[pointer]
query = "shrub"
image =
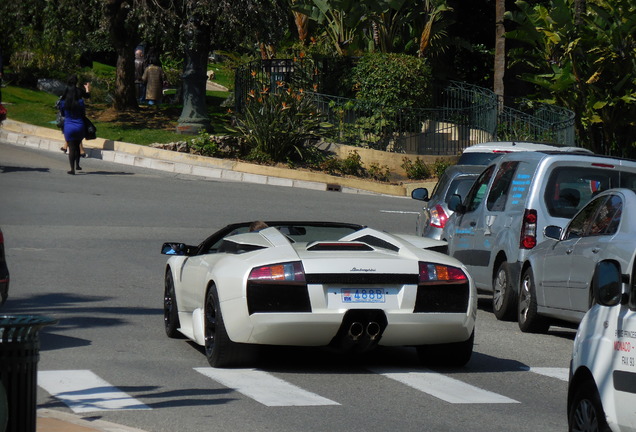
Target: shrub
[
  {"x": 279, "y": 123},
  {"x": 440, "y": 165},
  {"x": 392, "y": 80},
  {"x": 379, "y": 173},
  {"x": 204, "y": 145},
  {"x": 352, "y": 165},
  {"x": 331, "y": 165},
  {"x": 415, "y": 170}
]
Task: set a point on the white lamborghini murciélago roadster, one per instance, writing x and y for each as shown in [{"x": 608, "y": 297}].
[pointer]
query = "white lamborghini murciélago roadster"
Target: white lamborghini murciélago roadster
[{"x": 318, "y": 284}]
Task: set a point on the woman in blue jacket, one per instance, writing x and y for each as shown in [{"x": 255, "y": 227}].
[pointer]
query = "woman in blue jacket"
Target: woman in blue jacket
[{"x": 74, "y": 111}]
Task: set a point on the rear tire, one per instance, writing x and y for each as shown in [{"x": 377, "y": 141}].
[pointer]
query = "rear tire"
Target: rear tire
[
  {"x": 504, "y": 298},
  {"x": 586, "y": 412},
  {"x": 219, "y": 348},
  {"x": 455, "y": 354},
  {"x": 529, "y": 319}
]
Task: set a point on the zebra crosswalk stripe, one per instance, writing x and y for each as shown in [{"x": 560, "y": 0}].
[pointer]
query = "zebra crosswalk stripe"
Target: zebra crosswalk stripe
[
  {"x": 264, "y": 387},
  {"x": 443, "y": 387},
  {"x": 559, "y": 373},
  {"x": 83, "y": 391}
]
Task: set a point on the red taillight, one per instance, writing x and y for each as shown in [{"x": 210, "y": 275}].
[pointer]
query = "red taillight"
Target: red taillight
[
  {"x": 438, "y": 217},
  {"x": 289, "y": 272},
  {"x": 528, "y": 238},
  {"x": 435, "y": 273}
]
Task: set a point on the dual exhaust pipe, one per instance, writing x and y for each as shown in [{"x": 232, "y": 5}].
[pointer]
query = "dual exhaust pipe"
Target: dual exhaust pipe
[{"x": 357, "y": 329}]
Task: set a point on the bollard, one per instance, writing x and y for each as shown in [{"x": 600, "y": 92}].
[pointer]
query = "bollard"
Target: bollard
[{"x": 19, "y": 355}]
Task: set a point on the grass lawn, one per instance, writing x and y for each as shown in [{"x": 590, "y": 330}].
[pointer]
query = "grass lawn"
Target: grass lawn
[{"x": 144, "y": 126}]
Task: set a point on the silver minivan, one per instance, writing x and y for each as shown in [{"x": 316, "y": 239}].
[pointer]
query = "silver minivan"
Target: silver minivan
[{"x": 503, "y": 215}]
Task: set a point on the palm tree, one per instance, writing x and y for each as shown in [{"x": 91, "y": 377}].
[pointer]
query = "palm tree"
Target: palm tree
[{"x": 500, "y": 48}]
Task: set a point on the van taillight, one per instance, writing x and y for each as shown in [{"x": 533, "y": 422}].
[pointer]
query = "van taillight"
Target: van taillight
[
  {"x": 528, "y": 230},
  {"x": 438, "y": 217}
]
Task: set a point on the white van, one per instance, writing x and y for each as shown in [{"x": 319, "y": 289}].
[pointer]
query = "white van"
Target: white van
[{"x": 503, "y": 215}]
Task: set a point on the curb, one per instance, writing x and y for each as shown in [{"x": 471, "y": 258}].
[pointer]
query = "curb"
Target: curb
[{"x": 19, "y": 133}]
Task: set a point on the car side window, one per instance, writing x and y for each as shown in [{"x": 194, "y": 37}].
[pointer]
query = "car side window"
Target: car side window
[
  {"x": 608, "y": 217},
  {"x": 570, "y": 188},
  {"x": 500, "y": 186},
  {"x": 478, "y": 191},
  {"x": 582, "y": 222},
  {"x": 439, "y": 188}
]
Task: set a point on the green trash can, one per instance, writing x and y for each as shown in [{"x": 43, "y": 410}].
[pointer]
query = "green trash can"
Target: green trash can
[{"x": 19, "y": 356}]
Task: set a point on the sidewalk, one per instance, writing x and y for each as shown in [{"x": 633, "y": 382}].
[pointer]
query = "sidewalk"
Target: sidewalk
[
  {"x": 58, "y": 421},
  {"x": 184, "y": 163}
]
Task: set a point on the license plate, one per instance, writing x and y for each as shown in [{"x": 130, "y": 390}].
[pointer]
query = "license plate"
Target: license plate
[{"x": 363, "y": 295}]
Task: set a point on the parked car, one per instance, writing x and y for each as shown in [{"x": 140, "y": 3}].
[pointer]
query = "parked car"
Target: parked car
[
  {"x": 503, "y": 215},
  {"x": 456, "y": 179},
  {"x": 556, "y": 277},
  {"x": 602, "y": 384},
  {"x": 4, "y": 273},
  {"x": 485, "y": 153},
  {"x": 318, "y": 284}
]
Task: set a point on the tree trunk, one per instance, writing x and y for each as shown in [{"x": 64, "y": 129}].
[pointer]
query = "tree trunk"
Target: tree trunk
[
  {"x": 500, "y": 49},
  {"x": 124, "y": 42},
  {"x": 194, "y": 116}
]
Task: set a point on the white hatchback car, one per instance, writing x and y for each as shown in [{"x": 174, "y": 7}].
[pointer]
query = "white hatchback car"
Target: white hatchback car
[{"x": 602, "y": 386}]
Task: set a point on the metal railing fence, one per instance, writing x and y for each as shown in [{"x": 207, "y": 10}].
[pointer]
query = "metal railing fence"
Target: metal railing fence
[{"x": 463, "y": 114}]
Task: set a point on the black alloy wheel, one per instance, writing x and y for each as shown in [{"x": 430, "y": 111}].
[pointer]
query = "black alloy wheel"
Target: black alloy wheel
[
  {"x": 586, "y": 412},
  {"x": 170, "y": 312},
  {"x": 219, "y": 348}
]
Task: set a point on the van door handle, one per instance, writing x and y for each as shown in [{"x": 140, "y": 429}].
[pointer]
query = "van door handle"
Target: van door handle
[
  {"x": 595, "y": 250},
  {"x": 473, "y": 223},
  {"x": 569, "y": 251}
]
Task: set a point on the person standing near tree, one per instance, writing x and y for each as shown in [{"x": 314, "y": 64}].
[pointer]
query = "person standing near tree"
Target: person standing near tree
[
  {"x": 154, "y": 77},
  {"x": 139, "y": 73},
  {"x": 74, "y": 111}
]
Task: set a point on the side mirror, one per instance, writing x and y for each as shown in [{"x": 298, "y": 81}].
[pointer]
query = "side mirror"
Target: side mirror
[
  {"x": 455, "y": 204},
  {"x": 607, "y": 284},
  {"x": 553, "y": 232},
  {"x": 174, "y": 249},
  {"x": 420, "y": 194}
]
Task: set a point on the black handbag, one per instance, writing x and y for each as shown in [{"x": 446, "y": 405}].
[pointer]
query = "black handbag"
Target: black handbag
[
  {"x": 90, "y": 129},
  {"x": 59, "y": 120}
]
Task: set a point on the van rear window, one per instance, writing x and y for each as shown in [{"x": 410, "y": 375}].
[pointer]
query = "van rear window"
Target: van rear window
[{"x": 570, "y": 188}]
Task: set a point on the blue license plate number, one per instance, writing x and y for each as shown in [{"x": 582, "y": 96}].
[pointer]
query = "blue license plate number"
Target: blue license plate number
[{"x": 363, "y": 295}]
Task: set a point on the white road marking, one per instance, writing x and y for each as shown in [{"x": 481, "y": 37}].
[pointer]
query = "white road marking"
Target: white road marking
[
  {"x": 399, "y": 212},
  {"x": 264, "y": 387},
  {"x": 443, "y": 387},
  {"x": 559, "y": 373},
  {"x": 83, "y": 391}
]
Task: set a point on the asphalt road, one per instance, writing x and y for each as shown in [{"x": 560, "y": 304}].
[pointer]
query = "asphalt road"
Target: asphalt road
[{"x": 85, "y": 249}]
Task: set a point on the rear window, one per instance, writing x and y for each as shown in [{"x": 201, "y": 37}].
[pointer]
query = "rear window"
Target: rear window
[
  {"x": 460, "y": 185},
  {"x": 475, "y": 158},
  {"x": 570, "y": 188}
]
